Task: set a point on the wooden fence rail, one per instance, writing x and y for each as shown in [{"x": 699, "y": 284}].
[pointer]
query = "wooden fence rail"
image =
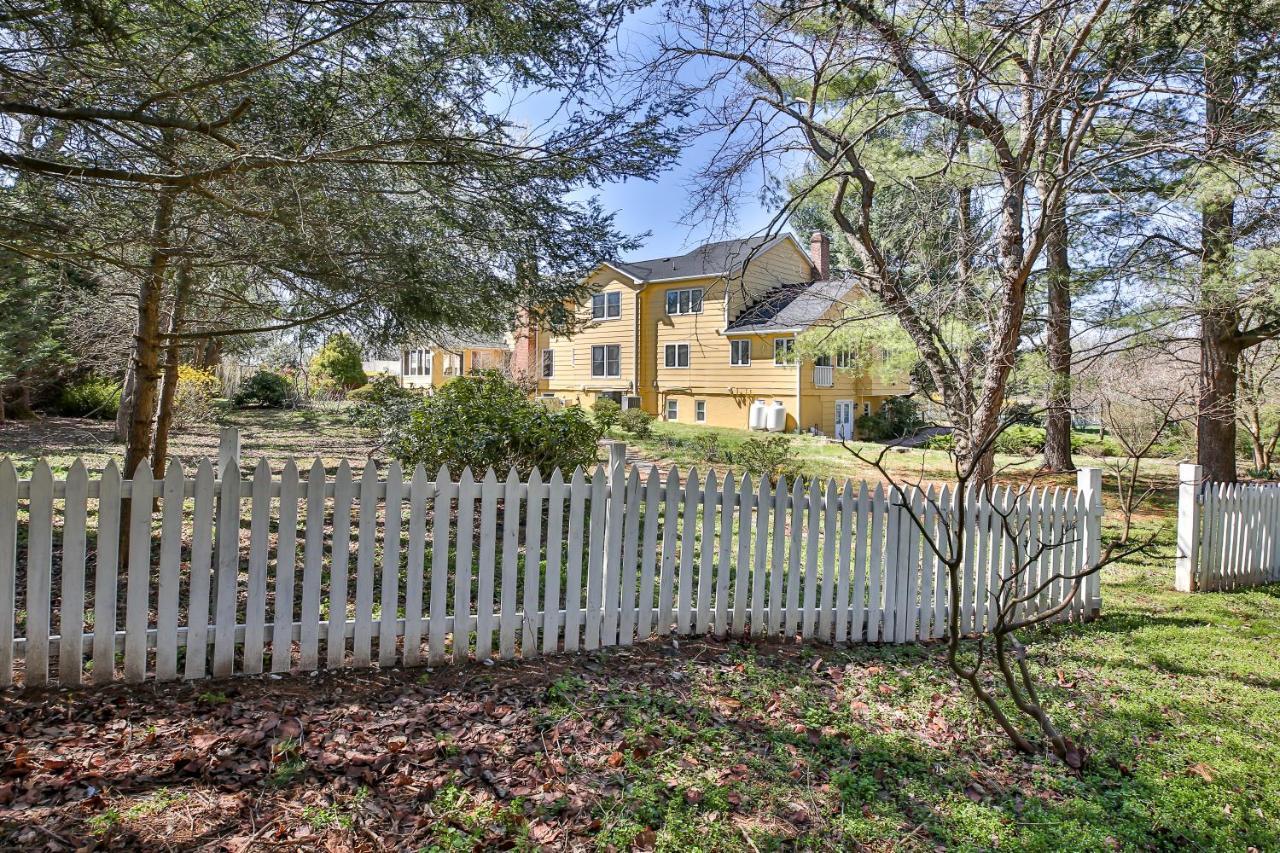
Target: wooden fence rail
[
  {"x": 296, "y": 571},
  {"x": 1228, "y": 533}
]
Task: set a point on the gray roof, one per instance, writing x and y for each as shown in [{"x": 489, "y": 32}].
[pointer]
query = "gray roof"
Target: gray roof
[
  {"x": 712, "y": 259},
  {"x": 791, "y": 306}
]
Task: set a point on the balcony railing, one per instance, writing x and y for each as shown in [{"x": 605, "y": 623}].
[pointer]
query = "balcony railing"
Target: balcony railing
[{"x": 823, "y": 377}]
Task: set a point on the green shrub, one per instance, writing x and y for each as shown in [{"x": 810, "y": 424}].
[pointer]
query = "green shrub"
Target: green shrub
[
  {"x": 1020, "y": 441},
  {"x": 638, "y": 422},
  {"x": 606, "y": 412},
  {"x": 381, "y": 404},
  {"x": 706, "y": 446},
  {"x": 943, "y": 441},
  {"x": 265, "y": 389},
  {"x": 336, "y": 367},
  {"x": 771, "y": 457},
  {"x": 898, "y": 417},
  {"x": 91, "y": 397},
  {"x": 486, "y": 421},
  {"x": 195, "y": 396}
]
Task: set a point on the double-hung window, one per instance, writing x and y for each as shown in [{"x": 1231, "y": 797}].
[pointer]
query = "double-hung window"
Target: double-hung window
[
  {"x": 844, "y": 359},
  {"x": 684, "y": 301},
  {"x": 740, "y": 352},
  {"x": 700, "y": 410},
  {"x": 673, "y": 409},
  {"x": 419, "y": 363},
  {"x": 606, "y": 306},
  {"x": 548, "y": 363},
  {"x": 606, "y": 360},
  {"x": 784, "y": 351},
  {"x": 676, "y": 355}
]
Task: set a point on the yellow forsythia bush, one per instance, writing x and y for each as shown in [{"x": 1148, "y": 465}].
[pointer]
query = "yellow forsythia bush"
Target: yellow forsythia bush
[{"x": 193, "y": 400}]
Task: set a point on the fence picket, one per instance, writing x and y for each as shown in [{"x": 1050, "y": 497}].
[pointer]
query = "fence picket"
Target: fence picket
[
  {"x": 312, "y": 569},
  {"x": 742, "y": 570},
  {"x": 844, "y": 561},
  {"x": 105, "y": 577},
  {"x": 763, "y": 501},
  {"x": 340, "y": 553},
  {"x": 71, "y": 612},
  {"x": 286, "y": 570},
  {"x": 489, "y": 490},
  {"x": 420, "y": 488},
  {"x": 928, "y": 562},
  {"x": 648, "y": 553},
  {"x": 138, "y": 578},
  {"x": 830, "y": 538},
  {"x": 573, "y": 570},
  {"x": 858, "y": 615},
  {"x": 555, "y": 535},
  {"x": 389, "y": 585},
  {"x": 630, "y": 553},
  {"x": 9, "y": 566},
  {"x": 437, "y": 626},
  {"x": 532, "y": 567},
  {"x": 366, "y": 546},
  {"x": 508, "y": 619},
  {"x": 199, "y": 571},
  {"x": 890, "y": 575},
  {"x": 670, "y": 534},
  {"x": 595, "y": 565},
  {"x": 778, "y": 556},
  {"x": 706, "y": 569},
  {"x": 728, "y": 499},
  {"x": 614, "y": 519},
  {"x": 256, "y": 601},
  {"x": 171, "y": 505},
  {"x": 467, "y": 495},
  {"x": 813, "y": 519},
  {"x": 688, "y": 546},
  {"x": 227, "y": 578},
  {"x": 40, "y": 573}
]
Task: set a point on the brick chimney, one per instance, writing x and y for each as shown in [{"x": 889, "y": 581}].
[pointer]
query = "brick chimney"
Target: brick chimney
[
  {"x": 524, "y": 355},
  {"x": 820, "y": 254}
]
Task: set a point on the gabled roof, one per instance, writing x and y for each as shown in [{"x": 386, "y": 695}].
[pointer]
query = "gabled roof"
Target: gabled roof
[
  {"x": 712, "y": 259},
  {"x": 791, "y": 307}
]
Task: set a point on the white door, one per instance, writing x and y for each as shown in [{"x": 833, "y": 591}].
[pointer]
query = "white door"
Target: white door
[{"x": 844, "y": 420}]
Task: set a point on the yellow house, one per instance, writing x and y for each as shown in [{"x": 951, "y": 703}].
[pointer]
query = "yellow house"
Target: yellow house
[
  {"x": 701, "y": 337},
  {"x": 432, "y": 364}
]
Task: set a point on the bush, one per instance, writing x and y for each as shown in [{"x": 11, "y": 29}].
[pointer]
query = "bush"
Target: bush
[
  {"x": 772, "y": 457},
  {"x": 706, "y": 446},
  {"x": 638, "y": 422},
  {"x": 943, "y": 441},
  {"x": 381, "y": 404},
  {"x": 194, "y": 396},
  {"x": 606, "y": 412},
  {"x": 898, "y": 418},
  {"x": 266, "y": 389},
  {"x": 486, "y": 421},
  {"x": 92, "y": 397},
  {"x": 336, "y": 367},
  {"x": 1020, "y": 440}
]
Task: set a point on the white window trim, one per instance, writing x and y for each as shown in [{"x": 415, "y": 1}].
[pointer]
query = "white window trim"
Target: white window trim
[
  {"x": 671, "y": 403},
  {"x": 606, "y": 374},
  {"x": 547, "y": 374},
  {"x": 732, "y": 343},
  {"x": 702, "y": 300},
  {"x": 790, "y": 363},
  {"x": 605, "y": 295},
  {"x": 700, "y": 411},
  {"x": 676, "y": 366}
]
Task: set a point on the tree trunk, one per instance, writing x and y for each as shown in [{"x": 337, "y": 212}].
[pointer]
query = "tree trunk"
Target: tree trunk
[
  {"x": 126, "y": 403},
  {"x": 146, "y": 351},
  {"x": 1219, "y": 308},
  {"x": 1057, "y": 424},
  {"x": 1216, "y": 409},
  {"x": 168, "y": 390}
]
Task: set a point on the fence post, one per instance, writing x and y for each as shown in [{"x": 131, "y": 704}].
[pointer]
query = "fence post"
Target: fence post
[
  {"x": 617, "y": 464},
  {"x": 1089, "y": 482},
  {"x": 1187, "y": 573}
]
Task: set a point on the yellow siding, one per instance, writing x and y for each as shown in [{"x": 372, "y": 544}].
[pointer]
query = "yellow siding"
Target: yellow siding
[
  {"x": 785, "y": 263},
  {"x": 572, "y": 377},
  {"x": 464, "y": 361}
]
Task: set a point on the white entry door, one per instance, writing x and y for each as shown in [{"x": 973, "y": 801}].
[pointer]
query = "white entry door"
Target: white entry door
[{"x": 844, "y": 419}]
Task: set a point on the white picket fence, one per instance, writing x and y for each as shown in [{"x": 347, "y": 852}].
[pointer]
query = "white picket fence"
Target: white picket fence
[
  {"x": 1228, "y": 533},
  {"x": 280, "y": 572}
]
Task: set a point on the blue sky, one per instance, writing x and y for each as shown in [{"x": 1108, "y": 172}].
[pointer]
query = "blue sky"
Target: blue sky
[{"x": 660, "y": 207}]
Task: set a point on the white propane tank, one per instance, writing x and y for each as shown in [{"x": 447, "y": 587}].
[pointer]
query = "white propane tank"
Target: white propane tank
[
  {"x": 756, "y": 419},
  {"x": 776, "y": 420}
]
